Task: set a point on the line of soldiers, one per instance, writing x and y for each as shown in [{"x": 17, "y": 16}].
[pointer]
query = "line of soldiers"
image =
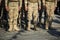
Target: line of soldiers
[{"x": 31, "y": 6}]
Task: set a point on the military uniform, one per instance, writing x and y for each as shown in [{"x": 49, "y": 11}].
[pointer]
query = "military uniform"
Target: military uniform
[
  {"x": 32, "y": 10},
  {"x": 13, "y": 8},
  {"x": 50, "y": 7}
]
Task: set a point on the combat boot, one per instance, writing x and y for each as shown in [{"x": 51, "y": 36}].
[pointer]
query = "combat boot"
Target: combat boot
[
  {"x": 35, "y": 27},
  {"x": 29, "y": 26},
  {"x": 16, "y": 28},
  {"x": 10, "y": 28},
  {"x": 47, "y": 25}
]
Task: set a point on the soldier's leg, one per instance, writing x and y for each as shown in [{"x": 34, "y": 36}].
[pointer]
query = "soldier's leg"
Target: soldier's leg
[
  {"x": 51, "y": 14},
  {"x": 29, "y": 16},
  {"x": 15, "y": 19},
  {"x": 47, "y": 14},
  {"x": 10, "y": 25},
  {"x": 35, "y": 14},
  {"x": 10, "y": 20},
  {"x": 16, "y": 28}
]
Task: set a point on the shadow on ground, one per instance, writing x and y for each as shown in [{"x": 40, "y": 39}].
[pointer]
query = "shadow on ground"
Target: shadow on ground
[{"x": 54, "y": 32}]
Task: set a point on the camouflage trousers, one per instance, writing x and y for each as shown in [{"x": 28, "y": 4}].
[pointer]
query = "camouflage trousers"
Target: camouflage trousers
[
  {"x": 32, "y": 11},
  {"x": 13, "y": 15},
  {"x": 50, "y": 7}
]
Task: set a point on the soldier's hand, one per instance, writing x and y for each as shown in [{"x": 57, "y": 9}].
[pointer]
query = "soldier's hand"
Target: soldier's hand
[
  {"x": 7, "y": 8},
  {"x": 39, "y": 8},
  {"x": 26, "y": 8},
  {"x": 55, "y": 5},
  {"x": 19, "y": 8}
]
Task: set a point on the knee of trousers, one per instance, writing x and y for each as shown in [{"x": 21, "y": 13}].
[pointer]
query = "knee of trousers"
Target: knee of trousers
[
  {"x": 35, "y": 19},
  {"x": 50, "y": 17},
  {"x": 29, "y": 18},
  {"x": 15, "y": 21},
  {"x": 10, "y": 20}
]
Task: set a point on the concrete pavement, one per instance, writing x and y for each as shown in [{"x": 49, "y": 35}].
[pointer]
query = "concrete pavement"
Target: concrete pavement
[{"x": 42, "y": 34}]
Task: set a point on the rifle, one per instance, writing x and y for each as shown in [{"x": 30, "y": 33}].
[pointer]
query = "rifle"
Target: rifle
[{"x": 1, "y": 17}]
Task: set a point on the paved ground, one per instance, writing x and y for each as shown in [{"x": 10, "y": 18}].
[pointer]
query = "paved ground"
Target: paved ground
[{"x": 42, "y": 34}]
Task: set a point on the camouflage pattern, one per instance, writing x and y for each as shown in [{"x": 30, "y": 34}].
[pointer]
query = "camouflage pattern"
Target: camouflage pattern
[
  {"x": 13, "y": 8},
  {"x": 32, "y": 10},
  {"x": 50, "y": 7}
]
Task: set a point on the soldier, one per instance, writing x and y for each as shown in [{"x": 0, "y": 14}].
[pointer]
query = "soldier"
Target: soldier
[
  {"x": 50, "y": 7},
  {"x": 33, "y": 7},
  {"x": 13, "y": 6}
]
